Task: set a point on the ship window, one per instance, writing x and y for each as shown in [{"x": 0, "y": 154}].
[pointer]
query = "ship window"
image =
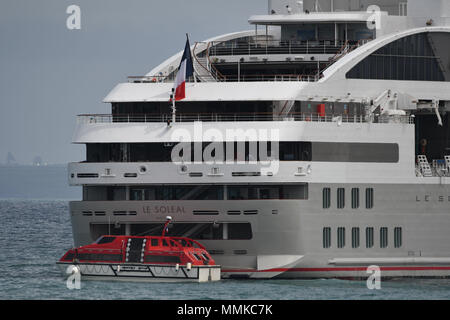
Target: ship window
[
  {"x": 239, "y": 231},
  {"x": 267, "y": 192},
  {"x": 340, "y": 198},
  {"x": 261, "y": 151},
  {"x": 196, "y": 231},
  {"x": 99, "y": 257},
  {"x": 383, "y": 237},
  {"x": 161, "y": 259},
  {"x": 326, "y": 194},
  {"x": 418, "y": 57},
  {"x": 355, "y": 152},
  {"x": 327, "y": 237},
  {"x": 104, "y": 240},
  {"x": 341, "y": 237},
  {"x": 369, "y": 237},
  {"x": 397, "y": 237},
  {"x": 184, "y": 192},
  {"x": 355, "y": 238},
  {"x": 355, "y": 198},
  {"x": 154, "y": 242},
  {"x": 369, "y": 198}
]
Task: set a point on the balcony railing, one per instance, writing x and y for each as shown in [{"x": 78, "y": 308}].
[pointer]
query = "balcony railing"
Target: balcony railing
[
  {"x": 279, "y": 47},
  {"x": 234, "y": 78},
  {"x": 235, "y": 117}
]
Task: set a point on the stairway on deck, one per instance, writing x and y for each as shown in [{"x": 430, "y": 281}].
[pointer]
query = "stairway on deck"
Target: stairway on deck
[{"x": 202, "y": 70}]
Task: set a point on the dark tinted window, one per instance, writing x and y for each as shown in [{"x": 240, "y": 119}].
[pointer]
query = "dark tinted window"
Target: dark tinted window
[
  {"x": 99, "y": 257},
  {"x": 239, "y": 231},
  {"x": 104, "y": 240},
  {"x": 355, "y": 152},
  {"x": 162, "y": 259},
  {"x": 284, "y": 151},
  {"x": 421, "y": 57}
]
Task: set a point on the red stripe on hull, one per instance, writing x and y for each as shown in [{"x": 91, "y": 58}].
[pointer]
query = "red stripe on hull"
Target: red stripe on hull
[{"x": 338, "y": 269}]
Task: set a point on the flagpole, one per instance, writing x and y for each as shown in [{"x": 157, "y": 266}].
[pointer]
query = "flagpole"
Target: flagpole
[{"x": 174, "y": 109}]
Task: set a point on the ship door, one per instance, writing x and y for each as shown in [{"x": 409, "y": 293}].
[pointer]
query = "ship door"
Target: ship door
[{"x": 135, "y": 250}]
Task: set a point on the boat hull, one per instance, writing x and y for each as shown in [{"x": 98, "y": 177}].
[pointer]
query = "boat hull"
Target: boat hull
[{"x": 141, "y": 272}]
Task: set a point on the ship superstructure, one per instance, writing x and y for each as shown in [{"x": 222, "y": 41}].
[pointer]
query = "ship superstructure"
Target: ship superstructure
[{"x": 315, "y": 145}]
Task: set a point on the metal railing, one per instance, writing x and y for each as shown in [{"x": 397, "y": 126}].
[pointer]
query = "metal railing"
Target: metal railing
[
  {"x": 235, "y": 117},
  {"x": 262, "y": 47},
  {"x": 236, "y": 78}
]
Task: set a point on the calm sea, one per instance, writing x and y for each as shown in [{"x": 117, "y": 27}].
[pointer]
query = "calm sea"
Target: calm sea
[{"x": 34, "y": 234}]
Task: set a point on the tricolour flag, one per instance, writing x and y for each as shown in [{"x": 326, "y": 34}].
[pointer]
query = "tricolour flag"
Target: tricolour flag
[{"x": 185, "y": 70}]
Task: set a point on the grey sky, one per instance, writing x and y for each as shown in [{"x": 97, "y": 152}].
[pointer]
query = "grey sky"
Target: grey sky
[{"x": 49, "y": 74}]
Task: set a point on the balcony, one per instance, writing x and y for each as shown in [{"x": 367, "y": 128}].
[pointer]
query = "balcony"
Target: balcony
[
  {"x": 272, "y": 47},
  {"x": 236, "y": 117}
]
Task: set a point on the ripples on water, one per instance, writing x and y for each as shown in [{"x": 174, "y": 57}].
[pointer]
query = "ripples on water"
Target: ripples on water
[{"x": 35, "y": 234}]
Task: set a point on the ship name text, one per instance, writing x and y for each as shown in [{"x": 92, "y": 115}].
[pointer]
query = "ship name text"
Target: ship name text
[{"x": 163, "y": 209}]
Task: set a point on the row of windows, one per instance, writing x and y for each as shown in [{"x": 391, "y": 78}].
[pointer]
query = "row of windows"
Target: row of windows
[
  {"x": 197, "y": 192},
  {"x": 355, "y": 237},
  {"x": 413, "y": 58},
  {"x": 196, "y": 231},
  {"x": 340, "y": 199},
  {"x": 244, "y": 151}
]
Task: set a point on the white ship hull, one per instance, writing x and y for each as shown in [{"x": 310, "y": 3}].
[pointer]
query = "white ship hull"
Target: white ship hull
[
  {"x": 289, "y": 244},
  {"x": 361, "y": 119}
]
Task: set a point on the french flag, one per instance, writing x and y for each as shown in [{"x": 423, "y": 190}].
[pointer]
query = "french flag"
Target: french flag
[{"x": 185, "y": 70}]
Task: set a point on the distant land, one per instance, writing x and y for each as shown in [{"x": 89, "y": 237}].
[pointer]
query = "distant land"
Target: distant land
[{"x": 45, "y": 182}]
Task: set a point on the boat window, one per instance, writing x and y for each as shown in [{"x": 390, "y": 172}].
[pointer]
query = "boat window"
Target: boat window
[
  {"x": 104, "y": 240},
  {"x": 268, "y": 192},
  {"x": 369, "y": 198},
  {"x": 197, "y": 257},
  {"x": 418, "y": 57},
  {"x": 326, "y": 237},
  {"x": 383, "y": 237},
  {"x": 195, "y": 231},
  {"x": 173, "y": 243},
  {"x": 397, "y": 237},
  {"x": 243, "y": 151},
  {"x": 355, "y": 237},
  {"x": 355, "y": 152},
  {"x": 239, "y": 231},
  {"x": 177, "y": 192},
  {"x": 326, "y": 194},
  {"x": 369, "y": 237},
  {"x": 99, "y": 257},
  {"x": 161, "y": 259},
  {"x": 154, "y": 242},
  {"x": 341, "y": 237},
  {"x": 355, "y": 198},
  {"x": 184, "y": 243},
  {"x": 340, "y": 198}
]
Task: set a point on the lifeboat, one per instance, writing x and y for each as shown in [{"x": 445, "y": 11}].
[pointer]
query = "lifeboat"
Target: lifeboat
[{"x": 148, "y": 258}]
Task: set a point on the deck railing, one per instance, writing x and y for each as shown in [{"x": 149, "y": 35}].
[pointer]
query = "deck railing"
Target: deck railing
[
  {"x": 262, "y": 47},
  {"x": 235, "y": 78},
  {"x": 235, "y": 117}
]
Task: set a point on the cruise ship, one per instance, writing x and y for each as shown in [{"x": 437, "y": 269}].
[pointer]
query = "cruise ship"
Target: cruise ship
[{"x": 313, "y": 145}]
